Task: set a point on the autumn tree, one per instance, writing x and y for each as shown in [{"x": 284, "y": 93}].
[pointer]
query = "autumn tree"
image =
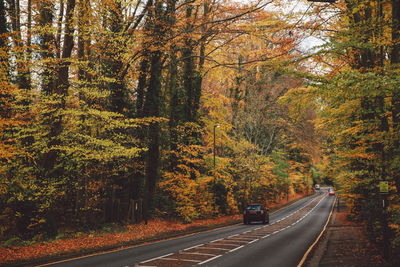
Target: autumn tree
[
  {"x": 359, "y": 109},
  {"x": 109, "y": 104}
]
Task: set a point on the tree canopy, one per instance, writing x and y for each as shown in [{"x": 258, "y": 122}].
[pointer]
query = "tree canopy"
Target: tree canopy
[{"x": 109, "y": 110}]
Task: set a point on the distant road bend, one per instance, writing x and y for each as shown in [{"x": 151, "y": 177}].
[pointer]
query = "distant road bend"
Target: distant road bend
[{"x": 283, "y": 242}]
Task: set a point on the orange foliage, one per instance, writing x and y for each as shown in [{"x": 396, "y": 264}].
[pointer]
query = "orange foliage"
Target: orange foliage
[
  {"x": 342, "y": 218},
  {"x": 284, "y": 200}
]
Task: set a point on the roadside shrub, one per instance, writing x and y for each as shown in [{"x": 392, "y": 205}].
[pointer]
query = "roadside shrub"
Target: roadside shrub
[{"x": 14, "y": 241}]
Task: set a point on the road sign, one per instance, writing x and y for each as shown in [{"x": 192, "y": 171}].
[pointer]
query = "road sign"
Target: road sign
[{"x": 384, "y": 187}]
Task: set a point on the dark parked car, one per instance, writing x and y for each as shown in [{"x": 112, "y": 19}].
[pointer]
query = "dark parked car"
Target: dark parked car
[{"x": 255, "y": 212}]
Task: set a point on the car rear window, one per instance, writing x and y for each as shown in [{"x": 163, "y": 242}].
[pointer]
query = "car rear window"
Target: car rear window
[{"x": 254, "y": 207}]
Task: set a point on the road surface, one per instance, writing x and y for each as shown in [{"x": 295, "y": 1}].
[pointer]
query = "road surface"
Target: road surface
[{"x": 283, "y": 242}]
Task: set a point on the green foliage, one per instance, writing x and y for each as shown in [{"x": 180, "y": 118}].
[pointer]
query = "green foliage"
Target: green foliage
[
  {"x": 15, "y": 241},
  {"x": 281, "y": 166},
  {"x": 316, "y": 176},
  {"x": 130, "y": 117},
  {"x": 359, "y": 116}
]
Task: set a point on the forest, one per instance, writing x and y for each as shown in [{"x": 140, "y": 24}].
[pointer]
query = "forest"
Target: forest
[{"x": 120, "y": 111}]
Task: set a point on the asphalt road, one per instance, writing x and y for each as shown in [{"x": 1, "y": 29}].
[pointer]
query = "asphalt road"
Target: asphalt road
[
  {"x": 281, "y": 243},
  {"x": 285, "y": 248}
]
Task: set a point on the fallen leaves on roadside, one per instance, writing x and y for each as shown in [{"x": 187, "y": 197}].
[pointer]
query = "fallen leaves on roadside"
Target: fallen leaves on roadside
[{"x": 136, "y": 233}]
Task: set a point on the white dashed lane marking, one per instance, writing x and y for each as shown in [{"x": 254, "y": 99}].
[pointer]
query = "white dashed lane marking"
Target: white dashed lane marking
[{"x": 204, "y": 253}]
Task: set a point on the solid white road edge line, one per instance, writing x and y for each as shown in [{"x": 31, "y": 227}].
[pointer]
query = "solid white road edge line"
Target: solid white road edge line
[
  {"x": 318, "y": 238},
  {"x": 269, "y": 234}
]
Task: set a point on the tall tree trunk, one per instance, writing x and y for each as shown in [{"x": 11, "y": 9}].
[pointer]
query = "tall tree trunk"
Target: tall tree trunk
[
  {"x": 188, "y": 66},
  {"x": 82, "y": 21},
  {"x": 3, "y": 26},
  {"x": 59, "y": 29},
  {"x": 26, "y": 76},
  {"x": 395, "y": 53},
  {"x": 192, "y": 78},
  {"x": 4, "y": 55},
  {"x": 62, "y": 83},
  {"x": 46, "y": 39},
  {"x": 152, "y": 106},
  {"x": 84, "y": 44},
  {"x": 15, "y": 17},
  {"x": 188, "y": 79},
  {"x": 198, "y": 76},
  {"x": 142, "y": 82},
  {"x": 382, "y": 119},
  {"x": 152, "y": 109},
  {"x": 145, "y": 60},
  {"x": 29, "y": 25},
  {"x": 395, "y": 61},
  {"x": 12, "y": 10},
  {"x": 83, "y": 47},
  {"x": 117, "y": 87},
  {"x": 175, "y": 96}
]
